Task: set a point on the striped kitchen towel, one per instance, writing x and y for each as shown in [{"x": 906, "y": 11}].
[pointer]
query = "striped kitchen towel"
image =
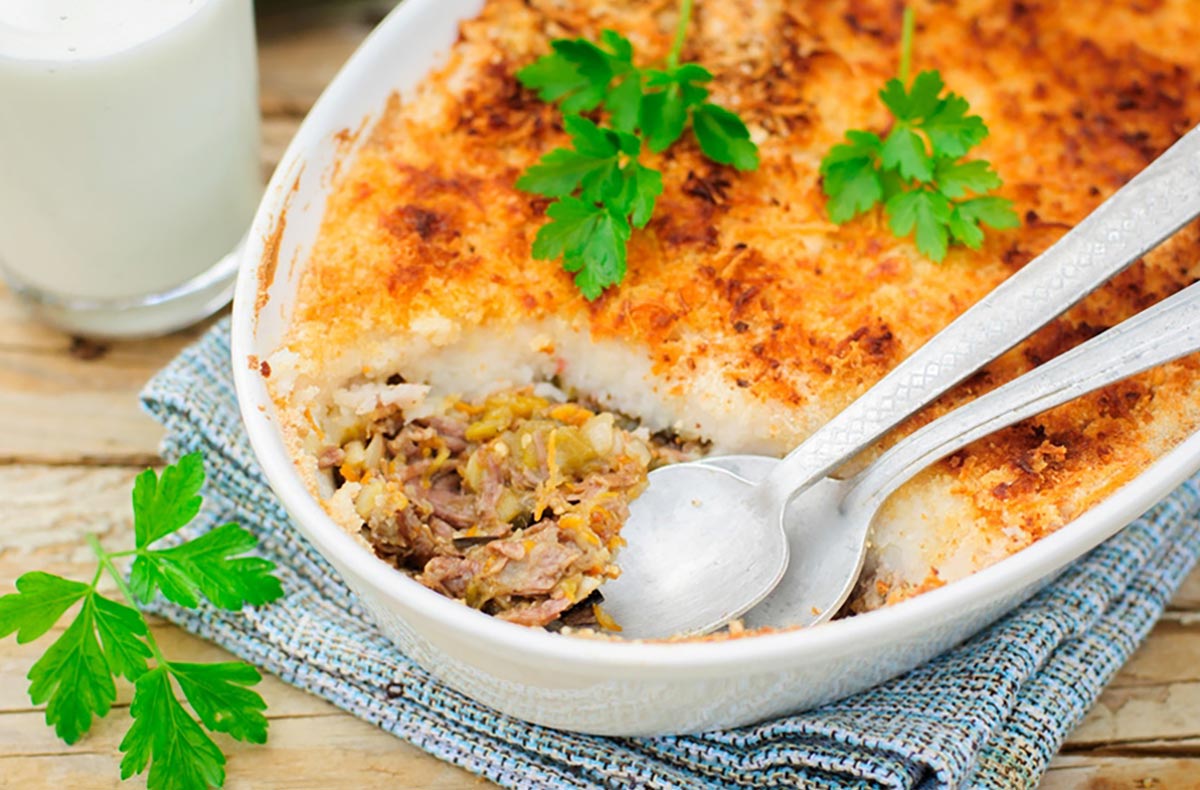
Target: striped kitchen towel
[{"x": 987, "y": 714}]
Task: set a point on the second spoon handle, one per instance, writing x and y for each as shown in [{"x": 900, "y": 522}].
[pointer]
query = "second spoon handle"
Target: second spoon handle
[
  {"x": 1167, "y": 331},
  {"x": 1151, "y": 207}
]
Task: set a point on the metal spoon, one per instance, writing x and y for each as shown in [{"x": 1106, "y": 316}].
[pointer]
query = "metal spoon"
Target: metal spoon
[{"x": 705, "y": 546}]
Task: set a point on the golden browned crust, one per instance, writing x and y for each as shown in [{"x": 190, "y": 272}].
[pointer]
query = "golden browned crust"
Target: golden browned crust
[{"x": 744, "y": 270}]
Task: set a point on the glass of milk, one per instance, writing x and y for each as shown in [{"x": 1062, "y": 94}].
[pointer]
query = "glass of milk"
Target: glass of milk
[{"x": 129, "y": 169}]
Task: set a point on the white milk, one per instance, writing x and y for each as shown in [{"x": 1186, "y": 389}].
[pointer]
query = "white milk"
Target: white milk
[{"x": 128, "y": 144}]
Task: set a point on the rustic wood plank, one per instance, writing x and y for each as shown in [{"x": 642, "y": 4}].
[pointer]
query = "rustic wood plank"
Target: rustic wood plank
[
  {"x": 1170, "y": 655},
  {"x": 1137, "y": 714},
  {"x": 48, "y": 511},
  {"x": 329, "y": 750},
  {"x": 294, "y": 68},
  {"x": 56, "y": 407},
  {"x": 1086, "y": 772}
]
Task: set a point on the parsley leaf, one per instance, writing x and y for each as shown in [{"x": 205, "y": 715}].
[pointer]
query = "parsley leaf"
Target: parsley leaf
[
  {"x": 121, "y": 631},
  {"x": 77, "y": 674},
  {"x": 572, "y": 222},
  {"x": 72, "y": 678},
  {"x": 951, "y": 131},
  {"x": 589, "y": 238},
  {"x": 577, "y": 73},
  {"x": 850, "y": 179},
  {"x": 74, "y": 675},
  {"x": 914, "y": 104},
  {"x": 218, "y": 694},
  {"x": 602, "y": 191},
  {"x": 926, "y": 211},
  {"x": 593, "y": 165},
  {"x": 664, "y": 116},
  {"x": 624, "y": 103},
  {"x": 641, "y": 188},
  {"x": 560, "y": 172},
  {"x": 955, "y": 179},
  {"x": 164, "y": 736},
  {"x": 593, "y": 140},
  {"x": 665, "y": 111},
  {"x": 967, "y": 215},
  {"x": 41, "y": 599},
  {"x": 162, "y": 505},
  {"x": 905, "y": 152},
  {"x": 601, "y": 261},
  {"x": 917, "y": 172},
  {"x": 723, "y": 137},
  {"x": 207, "y": 565}
]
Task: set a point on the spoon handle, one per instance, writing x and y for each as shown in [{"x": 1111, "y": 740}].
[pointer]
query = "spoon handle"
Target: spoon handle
[
  {"x": 1167, "y": 331},
  {"x": 1149, "y": 208}
]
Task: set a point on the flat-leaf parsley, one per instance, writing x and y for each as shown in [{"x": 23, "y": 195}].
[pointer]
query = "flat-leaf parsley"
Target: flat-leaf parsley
[
  {"x": 602, "y": 193},
  {"x": 917, "y": 171},
  {"x": 76, "y": 676}
]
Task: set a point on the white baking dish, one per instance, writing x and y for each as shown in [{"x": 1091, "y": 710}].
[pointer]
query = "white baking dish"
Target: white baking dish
[{"x": 616, "y": 688}]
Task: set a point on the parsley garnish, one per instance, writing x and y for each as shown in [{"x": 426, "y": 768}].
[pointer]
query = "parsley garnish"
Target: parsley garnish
[
  {"x": 917, "y": 171},
  {"x": 76, "y": 676},
  {"x": 602, "y": 193}
]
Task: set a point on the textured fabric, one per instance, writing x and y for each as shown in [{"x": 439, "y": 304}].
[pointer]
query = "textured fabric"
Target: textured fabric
[{"x": 987, "y": 714}]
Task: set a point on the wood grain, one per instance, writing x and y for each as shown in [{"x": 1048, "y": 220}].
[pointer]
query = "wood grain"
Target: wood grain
[
  {"x": 56, "y": 407},
  {"x": 295, "y": 67},
  {"x": 1072, "y": 772},
  {"x": 72, "y": 438}
]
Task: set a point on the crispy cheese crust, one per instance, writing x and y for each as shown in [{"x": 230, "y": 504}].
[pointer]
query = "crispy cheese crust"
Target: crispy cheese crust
[{"x": 741, "y": 279}]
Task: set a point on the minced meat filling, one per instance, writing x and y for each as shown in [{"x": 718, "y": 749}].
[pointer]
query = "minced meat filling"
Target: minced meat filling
[{"x": 513, "y": 505}]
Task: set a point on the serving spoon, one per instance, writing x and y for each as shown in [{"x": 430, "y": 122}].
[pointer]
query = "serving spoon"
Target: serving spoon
[{"x": 705, "y": 545}]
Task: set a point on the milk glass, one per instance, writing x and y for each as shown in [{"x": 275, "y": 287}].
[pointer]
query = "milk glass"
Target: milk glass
[{"x": 129, "y": 170}]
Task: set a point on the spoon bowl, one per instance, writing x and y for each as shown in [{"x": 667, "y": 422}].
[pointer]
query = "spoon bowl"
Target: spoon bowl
[{"x": 710, "y": 583}]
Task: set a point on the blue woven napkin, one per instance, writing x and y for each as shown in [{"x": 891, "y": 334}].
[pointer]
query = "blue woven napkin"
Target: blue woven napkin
[{"x": 987, "y": 714}]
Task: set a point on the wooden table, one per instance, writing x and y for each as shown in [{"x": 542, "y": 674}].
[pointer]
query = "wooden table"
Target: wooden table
[{"x": 72, "y": 438}]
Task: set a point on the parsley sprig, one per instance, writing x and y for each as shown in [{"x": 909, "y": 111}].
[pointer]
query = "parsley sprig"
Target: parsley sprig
[
  {"x": 918, "y": 171},
  {"x": 107, "y": 640},
  {"x": 601, "y": 191}
]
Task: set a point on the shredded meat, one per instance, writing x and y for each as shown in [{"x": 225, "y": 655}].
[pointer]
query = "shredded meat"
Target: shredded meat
[
  {"x": 448, "y": 502},
  {"x": 536, "y": 613},
  {"x": 331, "y": 457},
  {"x": 513, "y": 505},
  {"x": 449, "y": 575},
  {"x": 530, "y": 562}
]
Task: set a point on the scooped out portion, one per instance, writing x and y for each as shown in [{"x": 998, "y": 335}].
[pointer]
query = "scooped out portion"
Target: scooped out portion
[{"x": 512, "y": 504}]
